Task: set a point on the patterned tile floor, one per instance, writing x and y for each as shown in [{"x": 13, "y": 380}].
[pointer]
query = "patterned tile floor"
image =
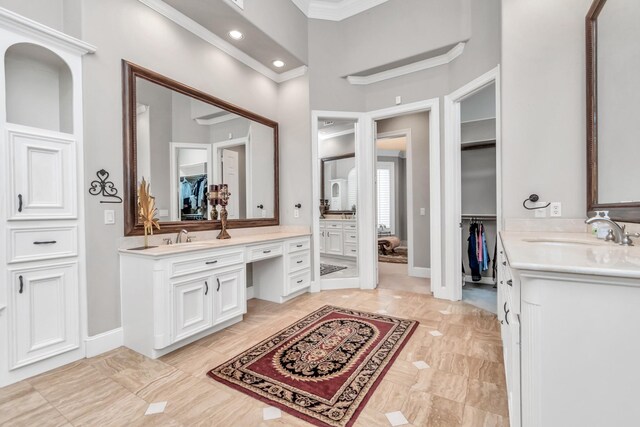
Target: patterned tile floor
[{"x": 458, "y": 382}]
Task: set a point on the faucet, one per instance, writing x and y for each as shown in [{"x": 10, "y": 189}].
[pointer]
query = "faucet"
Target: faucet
[
  {"x": 179, "y": 236},
  {"x": 620, "y": 235}
]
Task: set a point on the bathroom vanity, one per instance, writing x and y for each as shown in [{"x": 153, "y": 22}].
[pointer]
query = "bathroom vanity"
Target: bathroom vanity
[
  {"x": 173, "y": 295},
  {"x": 569, "y": 308}
]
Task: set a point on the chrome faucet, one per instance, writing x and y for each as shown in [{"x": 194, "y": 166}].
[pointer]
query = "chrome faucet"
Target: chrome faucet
[
  {"x": 619, "y": 232},
  {"x": 179, "y": 236}
]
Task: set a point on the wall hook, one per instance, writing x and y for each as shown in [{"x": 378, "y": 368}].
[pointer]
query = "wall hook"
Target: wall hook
[{"x": 105, "y": 188}]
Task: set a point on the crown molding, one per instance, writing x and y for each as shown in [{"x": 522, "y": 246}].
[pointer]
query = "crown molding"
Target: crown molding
[
  {"x": 336, "y": 134},
  {"x": 330, "y": 11},
  {"x": 216, "y": 120},
  {"x": 192, "y": 26},
  {"x": 436, "y": 61},
  {"x": 21, "y": 24}
]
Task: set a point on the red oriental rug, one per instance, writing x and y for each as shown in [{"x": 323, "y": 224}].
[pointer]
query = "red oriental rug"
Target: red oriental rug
[{"x": 323, "y": 368}]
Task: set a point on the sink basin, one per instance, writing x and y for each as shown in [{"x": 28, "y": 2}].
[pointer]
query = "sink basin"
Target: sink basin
[{"x": 566, "y": 242}]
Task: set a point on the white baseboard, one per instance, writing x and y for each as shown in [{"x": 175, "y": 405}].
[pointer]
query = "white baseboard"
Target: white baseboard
[
  {"x": 104, "y": 342},
  {"x": 420, "y": 272},
  {"x": 251, "y": 292}
]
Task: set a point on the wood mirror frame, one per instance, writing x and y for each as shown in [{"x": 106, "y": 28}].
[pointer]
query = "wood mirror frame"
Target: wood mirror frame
[
  {"x": 132, "y": 227},
  {"x": 626, "y": 212},
  {"x": 322, "y": 162}
]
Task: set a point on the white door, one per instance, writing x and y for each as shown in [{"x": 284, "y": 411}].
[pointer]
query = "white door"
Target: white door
[
  {"x": 192, "y": 305},
  {"x": 42, "y": 167},
  {"x": 44, "y": 313},
  {"x": 230, "y": 294},
  {"x": 333, "y": 242},
  {"x": 230, "y": 176}
]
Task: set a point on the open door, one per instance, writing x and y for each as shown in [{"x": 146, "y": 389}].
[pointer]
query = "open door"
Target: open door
[{"x": 231, "y": 178}]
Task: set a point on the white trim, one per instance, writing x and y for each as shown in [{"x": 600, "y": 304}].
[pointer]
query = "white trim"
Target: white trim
[
  {"x": 216, "y": 120},
  {"x": 392, "y": 153},
  {"x": 337, "y": 134},
  {"x": 433, "y": 106},
  {"x": 44, "y": 34},
  {"x": 248, "y": 165},
  {"x": 251, "y": 290},
  {"x": 425, "y": 64},
  {"x": 335, "y": 11},
  {"x": 190, "y": 25},
  {"x": 317, "y": 283},
  {"x": 452, "y": 284},
  {"x": 106, "y": 341},
  {"x": 420, "y": 272}
]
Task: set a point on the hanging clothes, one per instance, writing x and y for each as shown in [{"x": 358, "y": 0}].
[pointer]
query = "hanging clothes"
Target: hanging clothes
[{"x": 474, "y": 265}]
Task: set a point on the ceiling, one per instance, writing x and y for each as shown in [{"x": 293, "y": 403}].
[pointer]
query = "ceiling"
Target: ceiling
[
  {"x": 257, "y": 44},
  {"x": 335, "y": 10}
]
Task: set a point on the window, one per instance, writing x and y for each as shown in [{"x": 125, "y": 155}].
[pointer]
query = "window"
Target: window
[{"x": 386, "y": 197}]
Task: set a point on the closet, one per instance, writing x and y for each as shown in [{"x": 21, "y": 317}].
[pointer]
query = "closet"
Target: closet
[
  {"x": 479, "y": 186},
  {"x": 43, "y": 291}
]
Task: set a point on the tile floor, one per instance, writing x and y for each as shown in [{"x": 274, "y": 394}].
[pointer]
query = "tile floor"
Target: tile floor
[
  {"x": 350, "y": 263},
  {"x": 452, "y": 379}
]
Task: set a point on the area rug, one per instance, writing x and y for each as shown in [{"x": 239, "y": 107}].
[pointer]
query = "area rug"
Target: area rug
[
  {"x": 328, "y": 269},
  {"x": 323, "y": 368},
  {"x": 398, "y": 256}
]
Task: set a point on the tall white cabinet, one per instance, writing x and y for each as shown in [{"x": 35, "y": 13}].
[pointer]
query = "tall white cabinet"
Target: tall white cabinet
[{"x": 43, "y": 291}]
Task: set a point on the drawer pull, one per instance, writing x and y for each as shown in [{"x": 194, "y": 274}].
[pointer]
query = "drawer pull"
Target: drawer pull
[
  {"x": 506, "y": 313},
  {"x": 353, "y": 237},
  {"x": 266, "y": 252},
  {"x": 206, "y": 288},
  {"x": 353, "y": 250},
  {"x": 19, "y": 202},
  {"x": 21, "y": 284},
  {"x": 510, "y": 282},
  {"x": 218, "y": 279},
  {"x": 212, "y": 262},
  {"x": 48, "y": 242},
  {"x": 299, "y": 246},
  {"x": 300, "y": 281},
  {"x": 300, "y": 262}
]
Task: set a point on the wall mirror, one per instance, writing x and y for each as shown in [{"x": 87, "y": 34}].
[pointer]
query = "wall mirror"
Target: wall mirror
[
  {"x": 613, "y": 93},
  {"x": 339, "y": 189},
  {"x": 181, "y": 140}
]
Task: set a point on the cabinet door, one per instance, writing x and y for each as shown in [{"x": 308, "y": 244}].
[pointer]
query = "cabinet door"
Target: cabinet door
[
  {"x": 44, "y": 313},
  {"x": 192, "y": 305},
  {"x": 42, "y": 169},
  {"x": 322, "y": 240},
  {"x": 230, "y": 291},
  {"x": 333, "y": 242}
]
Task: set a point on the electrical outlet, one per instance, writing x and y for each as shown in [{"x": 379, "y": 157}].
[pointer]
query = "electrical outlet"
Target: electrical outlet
[
  {"x": 109, "y": 217},
  {"x": 423, "y": 212},
  {"x": 264, "y": 213},
  {"x": 541, "y": 213},
  {"x": 555, "y": 209},
  {"x": 296, "y": 213}
]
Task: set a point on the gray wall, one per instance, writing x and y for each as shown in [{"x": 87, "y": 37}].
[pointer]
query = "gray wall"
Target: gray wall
[
  {"x": 543, "y": 105},
  {"x": 419, "y": 125}
]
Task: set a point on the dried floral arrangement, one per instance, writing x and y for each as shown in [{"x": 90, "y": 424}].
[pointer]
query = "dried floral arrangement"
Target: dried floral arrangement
[{"x": 147, "y": 210}]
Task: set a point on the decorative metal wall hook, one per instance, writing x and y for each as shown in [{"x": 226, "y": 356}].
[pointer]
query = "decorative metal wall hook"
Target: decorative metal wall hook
[{"x": 105, "y": 188}]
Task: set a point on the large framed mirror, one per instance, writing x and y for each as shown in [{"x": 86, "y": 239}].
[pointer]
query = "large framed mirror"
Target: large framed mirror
[
  {"x": 339, "y": 184},
  {"x": 613, "y": 93},
  {"x": 181, "y": 140}
]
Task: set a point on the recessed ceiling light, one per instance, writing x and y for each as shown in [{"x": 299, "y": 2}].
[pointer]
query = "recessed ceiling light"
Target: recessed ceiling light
[
  {"x": 278, "y": 63},
  {"x": 236, "y": 35}
]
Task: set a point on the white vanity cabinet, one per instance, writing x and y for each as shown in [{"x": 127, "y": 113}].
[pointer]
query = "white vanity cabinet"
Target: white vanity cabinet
[
  {"x": 339, "y": 237},
  {"x": 172, "y": 296},
  {"x": 43, "y": 289},
  {"x": 570, "y": 334}
]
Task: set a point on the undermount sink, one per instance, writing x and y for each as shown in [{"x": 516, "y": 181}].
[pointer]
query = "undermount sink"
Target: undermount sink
[{"x": 566, "y": 242}]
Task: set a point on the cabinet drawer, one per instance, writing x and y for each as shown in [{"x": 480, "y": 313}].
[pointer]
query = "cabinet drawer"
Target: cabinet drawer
[
  {"x": 298, "y": 245},
  {"x": 333, "y": 225},
  {"x": 350, "y": 236},
  {"x": 351, "y": 226},
  {"x": 256, "y": 253},
  {"x": 40, "y": 243},
  {"x": 299, "y": 281},
  {"x": 206, "y": 261},
  {"x": 299, "y": 261},
  {"x": 350, "y": 249}
]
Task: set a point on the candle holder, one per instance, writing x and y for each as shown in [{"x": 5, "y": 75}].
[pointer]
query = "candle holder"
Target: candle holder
[
  {"x": 223, "y": 200},
  {"x": 212, "y": 196}
]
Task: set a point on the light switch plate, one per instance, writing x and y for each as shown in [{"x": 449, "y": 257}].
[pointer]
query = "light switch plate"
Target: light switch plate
[
  {"x": 541, "y": 213},
  {"x": 423, "y": 211},
  {"x": 398, "y": 100},
  {"x": 109, "y": 217}
]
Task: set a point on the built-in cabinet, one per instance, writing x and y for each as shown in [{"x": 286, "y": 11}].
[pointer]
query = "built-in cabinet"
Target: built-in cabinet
[
  {"x": 43, "y": 294},
  {"x": 570, "y": 344},
  {"x": 339, "y": 238},
  {"x": 170, "y": 299}
]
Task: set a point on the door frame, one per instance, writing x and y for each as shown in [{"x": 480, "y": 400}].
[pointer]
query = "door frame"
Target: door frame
[
  {"x": 248, "y": 166},
  {"x": 174, "y": 173},
  {"x": 317, "y": 283},
  {"x": 452, "y": 286},
  {"x": 369, "y": 215}
]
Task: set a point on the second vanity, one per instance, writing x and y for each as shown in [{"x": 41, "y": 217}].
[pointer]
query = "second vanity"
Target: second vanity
[
  {"x": 569, "y": 308},
  {"x": 174, "y": 295}
]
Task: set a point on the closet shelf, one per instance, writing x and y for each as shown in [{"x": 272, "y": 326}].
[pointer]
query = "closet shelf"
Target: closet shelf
[
  {"x": 479, "y": 216},
  {"x": 478, "y": 144},
  {"x": 478, "y": 120}
]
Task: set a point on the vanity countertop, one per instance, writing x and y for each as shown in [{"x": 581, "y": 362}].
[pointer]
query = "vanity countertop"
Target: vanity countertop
[
  {"x": 577, "y": 253},
  {"x": 204, "y": 245}
]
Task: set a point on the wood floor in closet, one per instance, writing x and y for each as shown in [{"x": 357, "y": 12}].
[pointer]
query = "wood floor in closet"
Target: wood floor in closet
[{"x": 463, "y": 386}]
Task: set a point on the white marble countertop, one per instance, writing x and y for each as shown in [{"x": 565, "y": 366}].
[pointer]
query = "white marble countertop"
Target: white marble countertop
[
  {"x": 577, "y": 253},
  {"x": 205, "y": 245}
]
